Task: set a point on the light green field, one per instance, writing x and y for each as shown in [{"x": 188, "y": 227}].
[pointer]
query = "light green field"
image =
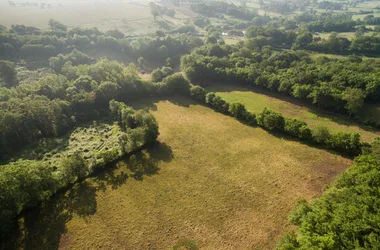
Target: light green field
[
  {"x": 131, "y": 18},
  {"x": 256, "y": 102},
  {"x": 211, "y": 179},
  {"x": 348, "y": 35},
  {"x": 230, "y": 40}
]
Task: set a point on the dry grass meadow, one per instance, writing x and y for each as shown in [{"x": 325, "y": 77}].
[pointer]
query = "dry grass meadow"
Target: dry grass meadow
[{"x": 210, "y": 179}]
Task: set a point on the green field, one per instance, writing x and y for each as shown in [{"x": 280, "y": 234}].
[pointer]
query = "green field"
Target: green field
[
  {"x": 129, "y": 17},
  {"x": 256, "y": 102},
  {"x": 211, "y": 179}
]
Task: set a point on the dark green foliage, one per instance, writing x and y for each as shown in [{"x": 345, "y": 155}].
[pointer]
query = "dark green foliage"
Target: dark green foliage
[
  {"x": 22, "y": 184},
  {"x": 176, "y": 84},
  {"x": 238, "y": 111},
  {"x": 297, "y": 128},
  {"x": 75, "y": 57},
  {"x": 157, "y": 75},
  {"x": 8, "y": 74},
  {"x": 346, "y": 216},
  {"x": 217, "y": 103},
  {"x": 271, "y": 120},
  {"x": 198, "y": 93},
  {"x": 73, "y": 168},
  {"x": 141, "y": 127}
]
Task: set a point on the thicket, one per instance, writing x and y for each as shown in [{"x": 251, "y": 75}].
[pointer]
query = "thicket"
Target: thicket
[
  {"x": 53, "y": 105},
  {"x": 331, "y": 84},
  {"x": 344, "y": 143},
  {"x": 217, "y": 9},
  {"x": 347, "y": 214},
  {"x": 23, "y": 42},
  {"x": 25, "y": 183}
]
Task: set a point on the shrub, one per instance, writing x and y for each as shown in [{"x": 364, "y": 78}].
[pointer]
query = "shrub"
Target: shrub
[
  {"x": 271, "y": 120},
  {"x": 8, "y": 73},
  {"x": 297, "y": 128},
  {"x": 176, "y": 84},
  {"x": 321, "y": 135},
  {"x": 238, "y": 110},
  {"x": 198, "y": 93}
]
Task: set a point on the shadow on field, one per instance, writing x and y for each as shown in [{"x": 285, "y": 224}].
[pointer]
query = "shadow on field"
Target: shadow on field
[
  {"x": 149, "y": 103},
  {"x": 44, "y": 228}
]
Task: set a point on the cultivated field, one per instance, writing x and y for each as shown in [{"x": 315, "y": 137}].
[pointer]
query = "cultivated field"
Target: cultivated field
[
  {"x": 211, "y": 179},
  {"x": 256, "y": 102}
]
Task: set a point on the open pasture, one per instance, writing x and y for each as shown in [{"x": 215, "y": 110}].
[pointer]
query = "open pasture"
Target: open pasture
[{"x": 211, "y": 180}]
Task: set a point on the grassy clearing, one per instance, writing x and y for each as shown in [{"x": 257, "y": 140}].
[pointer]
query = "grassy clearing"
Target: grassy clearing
[
  {"x": 87, "y": 139},
  {"x": 256, "y": 102},
  {"x": 230, "y": 40},
  {"x": 211, "y": 180}
]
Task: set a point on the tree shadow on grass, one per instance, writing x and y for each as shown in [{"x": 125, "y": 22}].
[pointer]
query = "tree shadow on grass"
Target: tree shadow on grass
[{"x": 44, "y": 227}]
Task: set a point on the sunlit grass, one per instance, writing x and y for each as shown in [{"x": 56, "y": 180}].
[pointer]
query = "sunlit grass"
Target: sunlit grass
[{"x": 216, "y": 182}]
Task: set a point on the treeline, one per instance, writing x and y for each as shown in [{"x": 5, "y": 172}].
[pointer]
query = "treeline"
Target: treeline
[
  {"x": 23, "y": 42},
  {"x": 344, "y": 143},
  {"x": 361, "y": 44},
  {"x": 25, "y": 183},
  {"x": 53, "y": 105},
  {"x": 346, "y": 216},
  {"x": 217, "y": 9},
  {"x": 336, "y": 85},
  {"x": 304, "y": 39}
]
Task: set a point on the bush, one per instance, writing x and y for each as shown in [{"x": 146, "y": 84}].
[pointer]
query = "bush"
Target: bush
[
  {"x": 198, "y": 93},
  {"x": 238, "y": 110},
  {"x": 271, "y": 120},
  {"x": 8, "y": 73},
  {"x": 176, "y": 84},
  {"x": 217, "y": 103},
  {"x": 298, "y": 129},
  {"x": 321, "y": 135}
]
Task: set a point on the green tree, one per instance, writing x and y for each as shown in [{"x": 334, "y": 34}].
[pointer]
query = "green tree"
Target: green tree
[
  {"x": 355, "y": 99},
  {"x": 8, "y": 74}
]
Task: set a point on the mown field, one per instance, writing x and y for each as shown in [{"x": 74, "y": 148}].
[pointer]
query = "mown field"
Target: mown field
[
  {"x": 211, "y": 179},
  {"x": 256, "y": 102}
]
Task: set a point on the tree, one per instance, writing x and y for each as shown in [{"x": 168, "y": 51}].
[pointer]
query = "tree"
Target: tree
[
  {"x": 55, "y": 25},
  {"x": 238, "y": 110},
  {"x": 355, "y": 99},
  {"x": 321, "y": 135},
  {"x": 157, "y": 75},
  {"x": 74, "y": 168},
  {"x": 198, "y": 93},
  {"x": 8, "y": 74}
]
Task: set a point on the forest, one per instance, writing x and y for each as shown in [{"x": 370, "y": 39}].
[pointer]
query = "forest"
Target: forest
[{"x": 84, "y": 108}]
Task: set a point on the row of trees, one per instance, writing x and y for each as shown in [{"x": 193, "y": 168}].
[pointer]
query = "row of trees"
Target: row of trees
[
  {"x": 344, "y": 143},
  {"x": 337, "y": 85},
  {"x": 35, "y": 44}
]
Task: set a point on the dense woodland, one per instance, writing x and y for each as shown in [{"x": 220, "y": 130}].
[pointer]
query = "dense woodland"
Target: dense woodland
[{"x": 274, "y": 55}]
